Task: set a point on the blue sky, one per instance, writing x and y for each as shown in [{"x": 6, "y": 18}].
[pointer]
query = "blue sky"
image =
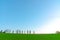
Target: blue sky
[{"x": 27, "y": 14}]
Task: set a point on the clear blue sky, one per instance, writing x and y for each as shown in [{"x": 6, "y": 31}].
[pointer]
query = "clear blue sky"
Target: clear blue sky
[{"x": 26, "y": 14}]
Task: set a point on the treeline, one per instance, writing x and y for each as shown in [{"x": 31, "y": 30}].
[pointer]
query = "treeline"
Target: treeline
[
  {"x": 57, "y": 32},
  {"x": 18, "y": 31}
]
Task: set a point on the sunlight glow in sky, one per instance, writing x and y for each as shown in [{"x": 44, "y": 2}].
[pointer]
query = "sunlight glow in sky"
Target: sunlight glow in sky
[{"x": 52, "y": 25}]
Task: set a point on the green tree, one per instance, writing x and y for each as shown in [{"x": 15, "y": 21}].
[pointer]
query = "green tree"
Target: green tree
[{"x": 57, "y": 32}]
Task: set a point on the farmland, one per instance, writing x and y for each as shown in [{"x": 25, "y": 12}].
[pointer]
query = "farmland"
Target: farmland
[{"x": 7, "y": 36}]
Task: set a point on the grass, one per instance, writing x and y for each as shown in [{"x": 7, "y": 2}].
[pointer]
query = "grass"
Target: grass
[{"x": 4, "y": 36}]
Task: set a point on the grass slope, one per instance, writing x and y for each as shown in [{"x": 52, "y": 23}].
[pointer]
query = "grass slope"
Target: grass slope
[{"x": 29, "y": 36}]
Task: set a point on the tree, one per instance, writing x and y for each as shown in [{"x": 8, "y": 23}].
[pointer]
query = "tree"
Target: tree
[
  {"x": 1, "y": 31},
  {"x": 33, "y": 32},
  {"x": 22, "y": 31},
  {"x": 27, "y": 31},
  {"x": 19, "y": 31},
  {"x": 57, "y": 32},
  {"x": 30, "y": 32},
  {"x": 13, "y": 31},
  {"x": 7, "y": 31},
  {"x": 4, "y": 32}
]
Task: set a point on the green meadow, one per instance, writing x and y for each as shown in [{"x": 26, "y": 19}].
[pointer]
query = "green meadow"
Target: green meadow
[{"x": 6, "y": 36}]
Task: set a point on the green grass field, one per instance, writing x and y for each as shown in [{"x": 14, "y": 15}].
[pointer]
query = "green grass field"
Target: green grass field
[{"x": 4, "y": 36}]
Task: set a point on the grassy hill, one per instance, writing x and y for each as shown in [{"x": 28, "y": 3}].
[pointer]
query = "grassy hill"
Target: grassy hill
[{"x": 4, "y": 36}]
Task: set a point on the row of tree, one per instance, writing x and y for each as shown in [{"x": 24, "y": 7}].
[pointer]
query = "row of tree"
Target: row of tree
[
  {"x": 57, "y": 32},
  {"x": 18, "y": 31}
]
